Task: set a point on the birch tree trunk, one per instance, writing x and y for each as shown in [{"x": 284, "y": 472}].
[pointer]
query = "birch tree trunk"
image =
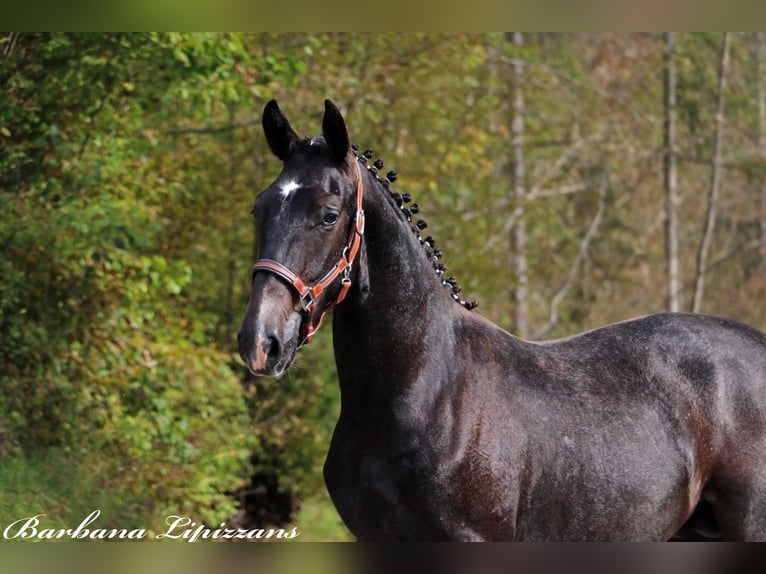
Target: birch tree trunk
[
  {"x": 703, "y": 252},
  {"x": 670, "y": 178},
  {"x": 519, "y": 239}
]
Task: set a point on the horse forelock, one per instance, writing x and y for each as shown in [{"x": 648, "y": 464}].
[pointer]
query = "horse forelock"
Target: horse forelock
[{"x": 309, "y": 146}]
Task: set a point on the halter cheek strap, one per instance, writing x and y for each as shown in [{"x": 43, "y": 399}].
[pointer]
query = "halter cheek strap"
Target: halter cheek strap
[{"x": 309, "y": 295}]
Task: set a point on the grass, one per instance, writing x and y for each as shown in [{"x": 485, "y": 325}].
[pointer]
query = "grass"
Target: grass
[
  {"x": 318, "y": 521},
  {"x": 53, "y": 485},
  {"x": 66, "y": 492}
]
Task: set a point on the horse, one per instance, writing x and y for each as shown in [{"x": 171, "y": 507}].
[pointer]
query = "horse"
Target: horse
[{"x": 451, "y": 428}]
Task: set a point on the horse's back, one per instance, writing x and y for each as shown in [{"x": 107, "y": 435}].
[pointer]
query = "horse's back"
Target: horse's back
[
  {"x": 651, "y": 414},
  {"x": 646, "y": 354},
  {"x": 704, "y": 375}
]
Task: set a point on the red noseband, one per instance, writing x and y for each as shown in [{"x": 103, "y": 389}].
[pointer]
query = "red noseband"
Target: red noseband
[{"x": 309, "y": 295}]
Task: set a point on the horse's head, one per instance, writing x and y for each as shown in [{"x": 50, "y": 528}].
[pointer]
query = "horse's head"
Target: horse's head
[{"x": 309, "y": 224}]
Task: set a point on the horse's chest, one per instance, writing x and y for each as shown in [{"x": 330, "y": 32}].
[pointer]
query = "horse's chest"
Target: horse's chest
[
  {"x": 390, "y": 491},
  {"x": 381, "y": 492}
]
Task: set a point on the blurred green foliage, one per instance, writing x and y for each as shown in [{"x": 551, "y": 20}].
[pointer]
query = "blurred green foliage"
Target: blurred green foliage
[
  {"x": 128, "y": 165},
  {"x": 106, "y": 362}
]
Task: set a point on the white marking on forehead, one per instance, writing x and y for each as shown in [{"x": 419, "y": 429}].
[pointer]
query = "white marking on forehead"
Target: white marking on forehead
[{"x": 288, "y": 187}]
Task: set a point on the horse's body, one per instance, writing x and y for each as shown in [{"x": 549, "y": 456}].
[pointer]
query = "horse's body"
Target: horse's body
[{"x": 451, "y": 428}]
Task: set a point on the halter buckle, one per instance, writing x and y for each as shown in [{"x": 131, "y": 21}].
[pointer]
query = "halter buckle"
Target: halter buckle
[
  {"x": 307, "y": 301},
  {"x": 360, "y": 221}
]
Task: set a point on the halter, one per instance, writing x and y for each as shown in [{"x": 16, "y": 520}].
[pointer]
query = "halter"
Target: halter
[{"x": 308, "y": 296}]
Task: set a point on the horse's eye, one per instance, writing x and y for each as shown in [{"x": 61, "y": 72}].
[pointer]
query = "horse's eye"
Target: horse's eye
[{"x": 330, "y": 219}]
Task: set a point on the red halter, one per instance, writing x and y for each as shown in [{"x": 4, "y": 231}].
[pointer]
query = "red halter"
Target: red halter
[{"x": 308, "y": 296}]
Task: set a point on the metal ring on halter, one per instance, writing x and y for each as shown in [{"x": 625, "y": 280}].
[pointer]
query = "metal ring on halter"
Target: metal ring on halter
[{"x": 306, "y": 301}]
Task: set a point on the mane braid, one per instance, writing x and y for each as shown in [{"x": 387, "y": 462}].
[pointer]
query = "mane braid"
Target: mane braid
[{"x": 403, "y": 202}]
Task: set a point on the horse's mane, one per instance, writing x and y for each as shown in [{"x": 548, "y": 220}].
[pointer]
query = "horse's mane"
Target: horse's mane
[{"x": 403, "y": 201}]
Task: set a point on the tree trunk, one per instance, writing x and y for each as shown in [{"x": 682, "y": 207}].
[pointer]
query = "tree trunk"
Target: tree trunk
[
  {"x": 519, "y": 239},
  {"x": 715, "y": 183},
  {"x": 760, "y": 59},
  {"x": 670, "y": 177}
]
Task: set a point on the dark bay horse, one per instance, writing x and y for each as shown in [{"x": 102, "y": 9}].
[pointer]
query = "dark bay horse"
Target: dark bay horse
[{"x": 453, "y": 429}]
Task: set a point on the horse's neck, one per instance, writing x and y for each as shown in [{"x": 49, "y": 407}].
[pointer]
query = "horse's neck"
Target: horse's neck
[{"x": 399, "y": 317}]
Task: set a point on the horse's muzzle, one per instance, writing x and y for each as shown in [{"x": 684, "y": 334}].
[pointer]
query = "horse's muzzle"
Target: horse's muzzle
[
  {"x": 263, "y": 356},
  {"x": 268, "y": 336}
]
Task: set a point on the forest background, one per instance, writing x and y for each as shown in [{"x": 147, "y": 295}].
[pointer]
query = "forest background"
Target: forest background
[{"x": 571, "y": 180}]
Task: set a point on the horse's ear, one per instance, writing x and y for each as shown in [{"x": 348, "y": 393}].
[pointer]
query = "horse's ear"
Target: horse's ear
[
  {"x": 277, "y": 129},
  {"x": 334, "y": 132}
]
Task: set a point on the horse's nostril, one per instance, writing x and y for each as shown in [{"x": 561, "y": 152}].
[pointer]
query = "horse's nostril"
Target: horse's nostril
[
  {"x": 267, "y": 354},
  {"x": 273, "y": 350}
]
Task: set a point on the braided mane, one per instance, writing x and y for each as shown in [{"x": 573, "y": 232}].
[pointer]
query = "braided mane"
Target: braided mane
[{"x": 403, "y": 202}]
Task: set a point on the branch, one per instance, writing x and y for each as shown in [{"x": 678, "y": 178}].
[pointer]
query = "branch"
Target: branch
[
  {"x": 10, "y": 43},
  {"x": 738, "y": 250},
  {"x": 560, "y": 163},
  {"x": 715, "y": 183},
  {"x": 553, "y": 315},
  {"x": 578, "y": 84},
  {"x": 519, "y": 210},
  {"x": 756, "y": 198},
  {"x": 86, "y": 139},
  {"x": 510, "y": 222},
  {"x": 538, "y": 191},
  {"x": 564, "y": 190},
  {"x": 212, "y": 129}
]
